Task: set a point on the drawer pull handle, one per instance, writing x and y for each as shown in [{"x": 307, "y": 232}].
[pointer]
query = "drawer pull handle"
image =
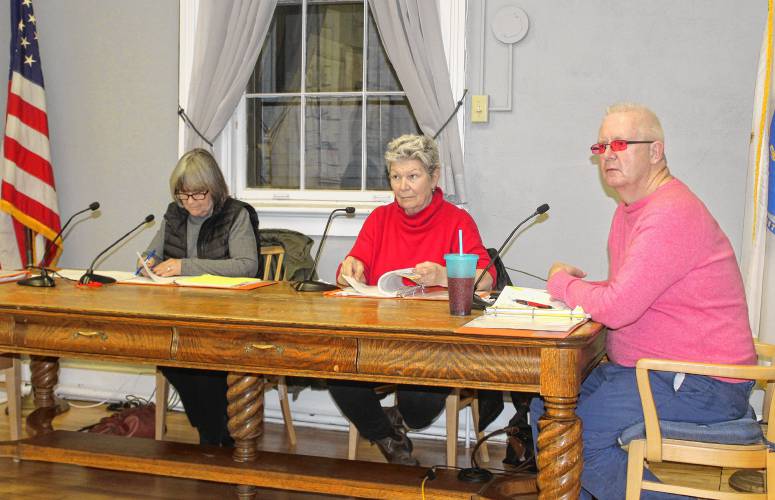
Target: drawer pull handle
[
  {"x": 92, "y": 333},
  {"x": 264, "y": 347}
]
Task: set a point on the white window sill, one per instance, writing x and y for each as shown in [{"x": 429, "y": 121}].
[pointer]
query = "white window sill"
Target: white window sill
[{"x": 310, "y": 218}]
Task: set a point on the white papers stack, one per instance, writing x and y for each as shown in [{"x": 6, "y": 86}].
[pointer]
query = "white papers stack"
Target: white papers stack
[{"x": 519, "y": 308}]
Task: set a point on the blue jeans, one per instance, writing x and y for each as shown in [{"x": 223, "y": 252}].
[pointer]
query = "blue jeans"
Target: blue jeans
[{"x": 609, "y": 403}]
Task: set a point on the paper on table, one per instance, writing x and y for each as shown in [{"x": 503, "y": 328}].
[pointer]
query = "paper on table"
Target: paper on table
[
  {"x": 6, "y": 276},
  {"x": 211, "y": 280},
  {"x": 75, "y": 274},
  {"x": 161, "y": 280}
]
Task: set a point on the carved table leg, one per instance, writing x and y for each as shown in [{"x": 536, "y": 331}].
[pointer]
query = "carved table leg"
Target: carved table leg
[
  {"x": 246, "y": 417},
  {"x": 559, "y": 443},
  {"x": 44, "y": 379}
]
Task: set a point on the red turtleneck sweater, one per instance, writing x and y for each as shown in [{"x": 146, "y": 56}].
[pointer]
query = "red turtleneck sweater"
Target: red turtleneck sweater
[{"x": 390, "y": 239}]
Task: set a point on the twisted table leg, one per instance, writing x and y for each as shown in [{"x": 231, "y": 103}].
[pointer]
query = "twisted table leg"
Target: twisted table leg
[
  {"x": 559, "y": 450},
  {"x": 44, "y": 379},
  {"x": 246, "y": 416}
]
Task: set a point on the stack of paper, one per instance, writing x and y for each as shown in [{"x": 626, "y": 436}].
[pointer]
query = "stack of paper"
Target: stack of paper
[{"x": 519, "y": 308}]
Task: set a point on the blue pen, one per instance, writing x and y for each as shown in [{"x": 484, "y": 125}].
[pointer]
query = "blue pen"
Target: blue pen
[{"x": 148, "y": 257}]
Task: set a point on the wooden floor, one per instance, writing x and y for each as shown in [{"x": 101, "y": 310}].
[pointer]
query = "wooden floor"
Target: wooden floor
[{"x": 34, "y": 480}]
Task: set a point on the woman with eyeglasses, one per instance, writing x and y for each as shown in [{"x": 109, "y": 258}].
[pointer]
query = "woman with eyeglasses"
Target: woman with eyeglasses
[{"x": 205, "y": 231}]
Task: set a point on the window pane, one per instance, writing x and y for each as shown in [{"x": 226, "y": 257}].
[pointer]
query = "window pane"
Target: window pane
[
  {"x": 380, "y": 75},
  {"x": 279, "y": 65},
  {"x": 273, "y": 143},
  {"x": 387, "y": 118},
  {"x": 333, "y": 143},
  {"x": 335, "y": 47}
]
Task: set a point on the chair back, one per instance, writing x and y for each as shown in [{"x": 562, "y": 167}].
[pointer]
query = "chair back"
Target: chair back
[
  {"x": 273, "y": 257},
  {"x": 504, "y": 279},
  {"x": 736, "y": 443}
]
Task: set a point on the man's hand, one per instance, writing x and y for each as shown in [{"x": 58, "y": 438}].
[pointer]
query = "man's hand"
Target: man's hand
[
  {"x": 431, "y": 274},
  {"x": 351, "y": 267},
  {"x": 562, "y": 266}
]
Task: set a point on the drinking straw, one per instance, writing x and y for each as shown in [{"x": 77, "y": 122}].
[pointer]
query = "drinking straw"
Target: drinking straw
[{"x": 460, "y": 240}]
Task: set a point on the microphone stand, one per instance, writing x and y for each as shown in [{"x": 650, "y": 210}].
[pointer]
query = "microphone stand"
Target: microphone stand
[
  {"x": 90, "y": 277},
  {"x": 310, "y": 285},
  {"x": 479, "y": 303},
  {"x": 44, "y": 279}
]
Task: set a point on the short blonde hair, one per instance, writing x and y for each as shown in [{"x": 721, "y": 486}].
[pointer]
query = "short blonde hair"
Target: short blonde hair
[
  {"x": 413, "y": 147},
  {"x": 197, "y": 170},
  {"x": 649, "y": 123}
]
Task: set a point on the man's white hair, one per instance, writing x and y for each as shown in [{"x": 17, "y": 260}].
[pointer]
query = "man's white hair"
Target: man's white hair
[{"x": 649, "y": 124}]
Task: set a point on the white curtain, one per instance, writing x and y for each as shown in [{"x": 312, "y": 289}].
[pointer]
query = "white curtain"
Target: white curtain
[
  {"x": 229, "y": 36},
  {"x": 411, "y": 34}
]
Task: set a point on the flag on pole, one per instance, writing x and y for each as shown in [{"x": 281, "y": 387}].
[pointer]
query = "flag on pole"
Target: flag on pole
[
  {"x": 27, "y": 192},
  {"x": 758, "y": 262}
]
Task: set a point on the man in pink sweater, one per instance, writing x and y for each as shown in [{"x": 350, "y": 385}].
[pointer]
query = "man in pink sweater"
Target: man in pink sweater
[{"x": 673, "y": 291}]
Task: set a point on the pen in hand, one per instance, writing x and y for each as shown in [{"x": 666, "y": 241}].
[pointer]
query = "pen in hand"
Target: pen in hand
[
  {"x": 532, "y": 304},
  {"x": 149, "y": 258}
]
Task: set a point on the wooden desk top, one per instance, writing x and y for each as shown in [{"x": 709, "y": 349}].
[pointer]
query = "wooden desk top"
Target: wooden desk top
[{"x": 277, "y": 305}]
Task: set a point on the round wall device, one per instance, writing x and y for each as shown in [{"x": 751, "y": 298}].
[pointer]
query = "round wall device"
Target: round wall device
[{"x": 510, "y": 24}]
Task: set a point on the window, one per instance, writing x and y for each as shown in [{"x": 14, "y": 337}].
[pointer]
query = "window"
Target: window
[{"x": 321, "y": 106}]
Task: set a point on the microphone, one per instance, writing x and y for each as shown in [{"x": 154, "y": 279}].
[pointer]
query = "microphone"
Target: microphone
[
  {"x": 480, "y": 303},
  {"x": 310, "y": 285},
  {"x": 90, "y": 277},
  {"x": 44, "y": 280}
]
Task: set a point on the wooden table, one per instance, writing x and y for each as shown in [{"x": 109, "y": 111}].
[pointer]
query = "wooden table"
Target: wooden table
[{"x": 275, "y": 330}]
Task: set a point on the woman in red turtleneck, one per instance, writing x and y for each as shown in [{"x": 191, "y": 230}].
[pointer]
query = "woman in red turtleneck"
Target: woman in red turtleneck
[{"x": 414, "y": 231}]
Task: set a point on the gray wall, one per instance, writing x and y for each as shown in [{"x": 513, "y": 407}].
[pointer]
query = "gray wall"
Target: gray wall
[
  {"x": 111, "y": 77},
  {"x": 693, "y": 61}
]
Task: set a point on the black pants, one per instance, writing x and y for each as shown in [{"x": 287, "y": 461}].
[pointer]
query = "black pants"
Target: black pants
[
  {"x": 203, "y": 393},
  {"x": 358, "y": 402}
]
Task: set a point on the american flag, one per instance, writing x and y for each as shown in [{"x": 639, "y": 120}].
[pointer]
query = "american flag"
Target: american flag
[{"x": 27, "y": 192}]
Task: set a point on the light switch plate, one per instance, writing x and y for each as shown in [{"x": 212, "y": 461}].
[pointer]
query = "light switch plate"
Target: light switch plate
[{"x": 479, "y": 108}]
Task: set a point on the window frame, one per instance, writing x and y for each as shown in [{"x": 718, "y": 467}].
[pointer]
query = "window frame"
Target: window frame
[{"x": 307, "y": 210}]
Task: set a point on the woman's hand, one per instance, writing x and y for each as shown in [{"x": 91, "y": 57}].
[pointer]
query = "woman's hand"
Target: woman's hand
[
  {"x": 170, "y": 267},
  {"x": 431, "y": 274},
  {"x": 351, "y": 267},
  {"x": 150, "y": 261},
  {"x": 562, "y": 266}
]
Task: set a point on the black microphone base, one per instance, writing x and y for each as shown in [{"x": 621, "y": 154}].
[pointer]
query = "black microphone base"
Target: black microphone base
[
  {"x": 479, "y": 303},
  {"x": 313, "y": 286},
  {"x": 44, "y": 281},
  {"x": 95, "y": 278}
]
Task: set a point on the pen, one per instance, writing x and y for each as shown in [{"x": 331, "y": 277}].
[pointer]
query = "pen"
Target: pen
[
  {"x": 148, "y": 257},
  {"x": 532, "y": 304}
]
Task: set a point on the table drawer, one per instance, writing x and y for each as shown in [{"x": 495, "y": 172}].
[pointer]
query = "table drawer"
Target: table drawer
[
  {"x": 93, "y": 337},
  {"x": 267, "y": 350}
]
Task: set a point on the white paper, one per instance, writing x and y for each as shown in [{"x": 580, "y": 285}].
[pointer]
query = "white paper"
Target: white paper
[
  {"x": 390, "y": 284},
  {"x": 160, "y": 280}
]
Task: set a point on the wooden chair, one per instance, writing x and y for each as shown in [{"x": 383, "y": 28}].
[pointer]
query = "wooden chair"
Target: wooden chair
[
  {"x": 457, "y": 401},
  {"x": 671, "y": 441},
  {"x": 10, "y": 366},
  {"x": 273, "y": 257}
]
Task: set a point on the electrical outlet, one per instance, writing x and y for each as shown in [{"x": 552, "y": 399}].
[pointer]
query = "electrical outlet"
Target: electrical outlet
[{"x": 479, "y": 108}]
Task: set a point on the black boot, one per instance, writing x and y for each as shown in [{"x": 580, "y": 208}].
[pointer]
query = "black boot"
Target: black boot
[{"x": 397, "y": 449}]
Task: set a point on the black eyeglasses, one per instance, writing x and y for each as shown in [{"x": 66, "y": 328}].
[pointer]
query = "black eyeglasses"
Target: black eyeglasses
[
  {"x": 199, "y": 196},
  {"x": 616, "y": 145}
]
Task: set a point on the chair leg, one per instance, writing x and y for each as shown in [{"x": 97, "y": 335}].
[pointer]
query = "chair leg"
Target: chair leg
[
  {"x": 484, "y": 455},
  {"x": 769, "y": 474},
  {"x": 635, "y": 458},
  {"x": 162, "y": 395},
  {"x": 451, "y": 415},
  {"x": 13, "y": 379},
  {"x": 285, "y": 407},
  {"x": 352, "y": 444}
]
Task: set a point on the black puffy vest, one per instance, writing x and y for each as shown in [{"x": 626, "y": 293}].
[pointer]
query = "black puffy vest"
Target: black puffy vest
[{"x": 213, "y": 240}]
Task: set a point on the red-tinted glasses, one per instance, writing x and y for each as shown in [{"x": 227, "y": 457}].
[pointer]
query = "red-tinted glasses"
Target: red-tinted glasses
[{"x": 616, "y": 145}]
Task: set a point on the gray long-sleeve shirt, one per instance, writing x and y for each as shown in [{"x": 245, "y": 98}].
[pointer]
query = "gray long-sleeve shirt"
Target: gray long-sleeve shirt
[{"x": 243, "y": 249}]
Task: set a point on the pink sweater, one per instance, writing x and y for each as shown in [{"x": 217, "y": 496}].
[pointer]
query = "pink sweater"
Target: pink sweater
[{"x": 674, "y": 289}]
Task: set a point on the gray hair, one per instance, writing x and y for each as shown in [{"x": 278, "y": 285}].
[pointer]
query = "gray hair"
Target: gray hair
[
  {"x": 413, "y": 147},
  {"x": 649, "y": 123},
  {"x": 197, "y": 170}
]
